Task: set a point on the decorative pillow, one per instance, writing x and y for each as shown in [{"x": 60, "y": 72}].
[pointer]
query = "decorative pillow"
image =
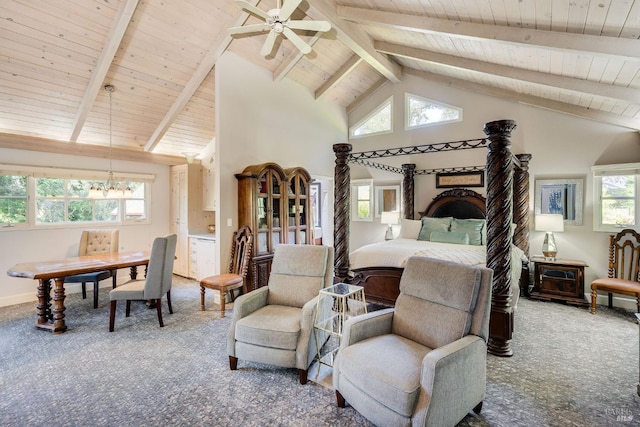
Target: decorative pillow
[
  {"x": 433, "y": 224},
  {"x": 473, "y": 227},
  {"x": 409, "y": 228},
  {"x": 458, "y": 237}
]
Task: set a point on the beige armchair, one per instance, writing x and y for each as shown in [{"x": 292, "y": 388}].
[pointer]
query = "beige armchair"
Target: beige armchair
[
  {"x": 273, "y": 324},
  {"x": 95, "y": 242},
  {"x": 423, "y": 362}
]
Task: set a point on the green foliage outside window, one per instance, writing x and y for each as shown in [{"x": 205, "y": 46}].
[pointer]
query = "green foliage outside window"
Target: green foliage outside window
[
  {"x": 13, "y": 199},
  {"x": 618, "y": 200}
]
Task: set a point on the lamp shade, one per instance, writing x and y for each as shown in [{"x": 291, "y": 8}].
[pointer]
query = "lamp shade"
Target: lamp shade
[
  {"x": 550, "y": 222},
  {"x": 389, "y": 218}
]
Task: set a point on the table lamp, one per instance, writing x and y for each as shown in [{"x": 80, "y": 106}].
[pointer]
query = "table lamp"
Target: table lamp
[
  {"x": 549, "y": 223},
  {"x": 389, "y": 218}
]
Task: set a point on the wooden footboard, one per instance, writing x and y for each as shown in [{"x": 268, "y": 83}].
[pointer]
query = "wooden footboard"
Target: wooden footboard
[{"x": 381, "y": 284}]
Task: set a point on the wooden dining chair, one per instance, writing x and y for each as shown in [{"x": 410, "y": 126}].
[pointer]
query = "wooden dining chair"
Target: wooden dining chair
[
  {"x": 624, "y": 269},
  {"x": 95, "y": 242},
  {"x": 237, "y": 272}
]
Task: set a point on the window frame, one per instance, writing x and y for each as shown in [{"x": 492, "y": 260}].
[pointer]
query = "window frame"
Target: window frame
[
  {"x": 380, "y": 107},
  {"x": 624, "y": 169},
  {"x": 32, "y": 173},
  {"x": 407, "y": 117},
  {"x": 355, "y": 184}
]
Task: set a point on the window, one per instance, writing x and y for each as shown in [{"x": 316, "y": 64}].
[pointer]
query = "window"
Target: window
[
  {"x": 377, "y": 122},
  {"x": 13, "y": 199},
  {"x": 616, "y": 202},
  {"x": 361, "y": 200},
  {"x": 420, "y": 112},
  {"x": 32, "y": 196}
]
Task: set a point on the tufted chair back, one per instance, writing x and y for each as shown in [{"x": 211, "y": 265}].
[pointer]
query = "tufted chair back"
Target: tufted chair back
[{"x": 94, "y": 242}]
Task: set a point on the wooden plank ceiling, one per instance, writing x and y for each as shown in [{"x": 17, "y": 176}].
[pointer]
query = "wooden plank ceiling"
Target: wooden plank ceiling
[{"x": 580, "y": 57}]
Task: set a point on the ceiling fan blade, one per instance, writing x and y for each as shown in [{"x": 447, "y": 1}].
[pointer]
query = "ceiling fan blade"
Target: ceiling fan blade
[
  {"x": 267, "y": 48},
  {"x": 288, "y": 7},
  {"x": 310, "y": 25},
  {"x": 254, "y": 28},
  {"x": 252, "y": 9},
  {"x": 296, "y": 40}
]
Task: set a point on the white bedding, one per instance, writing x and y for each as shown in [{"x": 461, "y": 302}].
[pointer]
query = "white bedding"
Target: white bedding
[{"x": 394, "y": 253}]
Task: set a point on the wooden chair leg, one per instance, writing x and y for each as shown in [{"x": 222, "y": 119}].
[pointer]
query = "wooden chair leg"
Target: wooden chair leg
[
  {"x": 112, "y": 315},
  {"x": 610, "y": 300},
  {"x": 169, "y": 301},
  {"x": 114, "y": 277},
  {"x": 84, "y": 290},
  {"x": 127, "y": 311},
  {"x": 96, "y": 284},
  {"x": 159, "y": 310},
  {"x": 302, "y": 373},
  {"x": 222, "y": 301},
  {"x": 340, "y": 400},
  {"x": 201, "y": 298},
  {"x": 233, "y": 363},
  {"x": 478, "y": 408},
  {"x": 594, "y": 300}
]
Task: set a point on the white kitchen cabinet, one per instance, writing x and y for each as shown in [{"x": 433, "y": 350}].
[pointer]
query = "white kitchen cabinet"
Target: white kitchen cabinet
[
  {"x": 185, "y": 211},
  {"x": 202, "y": 258},
  {"x": 209, "y": 198}
]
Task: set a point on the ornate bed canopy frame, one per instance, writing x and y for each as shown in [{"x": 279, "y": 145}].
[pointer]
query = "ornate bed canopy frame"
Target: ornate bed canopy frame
[{"x": 507, "y": 184}]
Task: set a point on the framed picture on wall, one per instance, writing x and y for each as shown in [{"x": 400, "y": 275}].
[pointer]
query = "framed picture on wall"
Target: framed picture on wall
[{"x": 460, "y": 179}]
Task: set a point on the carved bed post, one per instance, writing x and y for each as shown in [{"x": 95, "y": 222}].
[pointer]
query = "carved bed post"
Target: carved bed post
[
  {"x": 408, "y": 192},
  {"x": 521, "y": 212},
  {"x": 341, "y": 211},
  {"x": 499, "y": 218}
]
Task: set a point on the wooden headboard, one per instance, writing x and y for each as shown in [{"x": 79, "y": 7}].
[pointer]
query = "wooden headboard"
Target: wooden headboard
[{"x": 459, "y": 203}]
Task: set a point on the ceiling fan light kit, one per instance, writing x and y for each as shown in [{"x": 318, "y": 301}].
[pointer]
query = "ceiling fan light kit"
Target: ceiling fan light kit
[{"x": 278, "y": 22}]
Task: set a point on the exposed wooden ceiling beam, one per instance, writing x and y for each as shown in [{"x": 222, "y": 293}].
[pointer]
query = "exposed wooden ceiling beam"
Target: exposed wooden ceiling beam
[
  {"x": 357, "y": 40},
  {"x": 372, "y": 89},
  {"x": 30, "y": 143},
  {"x": 207, "y": 63},
  {"x": 342, "y": 72},
  {"x": 574, "y": 110},
  {"x": 602, "y": 45},
  {"x": 125, "y": 13},
  {"x": 287, "y": 65},
  {"x": 569, "y": 83}
]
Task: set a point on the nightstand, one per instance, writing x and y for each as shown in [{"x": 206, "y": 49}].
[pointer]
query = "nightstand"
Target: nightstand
[{"x": 562, "y": 280}]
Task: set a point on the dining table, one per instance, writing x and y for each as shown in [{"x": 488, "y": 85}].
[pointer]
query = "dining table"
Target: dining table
[{"x": 50, "y": 309}]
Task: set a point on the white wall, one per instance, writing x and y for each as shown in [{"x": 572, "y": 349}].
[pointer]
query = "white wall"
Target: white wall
[
  {"x": 561, "y": 146},
  {"x": 259, "y": 120},
  {"x": 56, "y": 242}
]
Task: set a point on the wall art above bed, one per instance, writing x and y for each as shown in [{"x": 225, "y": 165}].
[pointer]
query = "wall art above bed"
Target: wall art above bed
[{"x": 460, "y": 179}]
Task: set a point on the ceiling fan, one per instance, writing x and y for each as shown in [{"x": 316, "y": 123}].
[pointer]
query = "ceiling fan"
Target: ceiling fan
[{"x": 277, "y": 22}]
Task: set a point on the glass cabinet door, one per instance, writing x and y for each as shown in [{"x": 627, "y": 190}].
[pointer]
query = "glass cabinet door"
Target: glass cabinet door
[
  {"x": 269, "y": 213},
  {"x": 297, "y": 206}
]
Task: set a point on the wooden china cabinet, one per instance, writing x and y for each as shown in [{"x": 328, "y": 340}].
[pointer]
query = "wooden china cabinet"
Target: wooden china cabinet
[{"x": 275, "y": 203}]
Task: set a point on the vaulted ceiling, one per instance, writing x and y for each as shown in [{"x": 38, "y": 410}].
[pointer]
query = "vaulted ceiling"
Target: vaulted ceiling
[{"x": 578, "y": 57}]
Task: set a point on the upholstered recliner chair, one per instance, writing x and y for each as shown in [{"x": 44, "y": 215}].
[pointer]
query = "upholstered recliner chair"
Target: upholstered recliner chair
[
  {"x": 423, "y": 362},
  {"x": 274, "y": 324},
  {"x": 96, "y": 242}
]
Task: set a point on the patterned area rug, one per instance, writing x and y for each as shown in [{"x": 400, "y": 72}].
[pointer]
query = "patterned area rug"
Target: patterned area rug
[{"x": 569, "y": 368}]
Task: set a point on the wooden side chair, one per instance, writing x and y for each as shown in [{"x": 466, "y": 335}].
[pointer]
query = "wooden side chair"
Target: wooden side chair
[
  {"x": 624, "y": 269},
  {"x": 238, "y": 266},
  {"x": 95, "y": 242}
]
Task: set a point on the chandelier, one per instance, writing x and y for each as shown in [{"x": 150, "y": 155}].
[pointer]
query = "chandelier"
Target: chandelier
[{"x": 111, "y": 189}]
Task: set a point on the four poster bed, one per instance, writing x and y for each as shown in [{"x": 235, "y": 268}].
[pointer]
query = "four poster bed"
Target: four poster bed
[{"x": 503, "y": 245}]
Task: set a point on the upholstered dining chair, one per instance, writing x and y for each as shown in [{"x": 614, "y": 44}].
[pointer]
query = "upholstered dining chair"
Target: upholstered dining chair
[
  {"x": 156, "y": 284},
  {"x": 423, "y": 362},
  {"x": 236, "y": 274},
  {"x": 273, "y": 324},
  {"x": 624, "y": 269},
  {"x": 95, "y": 242}
]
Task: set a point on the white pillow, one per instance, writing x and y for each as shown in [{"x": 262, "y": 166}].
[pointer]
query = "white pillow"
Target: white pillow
[{"x": 409, "y": 228}]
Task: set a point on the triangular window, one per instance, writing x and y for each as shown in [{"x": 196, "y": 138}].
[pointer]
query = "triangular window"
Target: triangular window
[
  {"x": 421, "y": 112},
  {"x": 377, "y": 122}
]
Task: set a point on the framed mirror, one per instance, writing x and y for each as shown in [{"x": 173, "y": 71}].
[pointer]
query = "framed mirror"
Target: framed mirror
[
  {"x": 560, "y": 196},
  {"x": 387, "y": 199}
]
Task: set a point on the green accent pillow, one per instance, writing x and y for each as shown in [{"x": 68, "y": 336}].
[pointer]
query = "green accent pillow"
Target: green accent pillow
[
  {"x": 473, "y": 227},
  {"x": 433, "y": 224},
  {"x": 458, "y": 237}
]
